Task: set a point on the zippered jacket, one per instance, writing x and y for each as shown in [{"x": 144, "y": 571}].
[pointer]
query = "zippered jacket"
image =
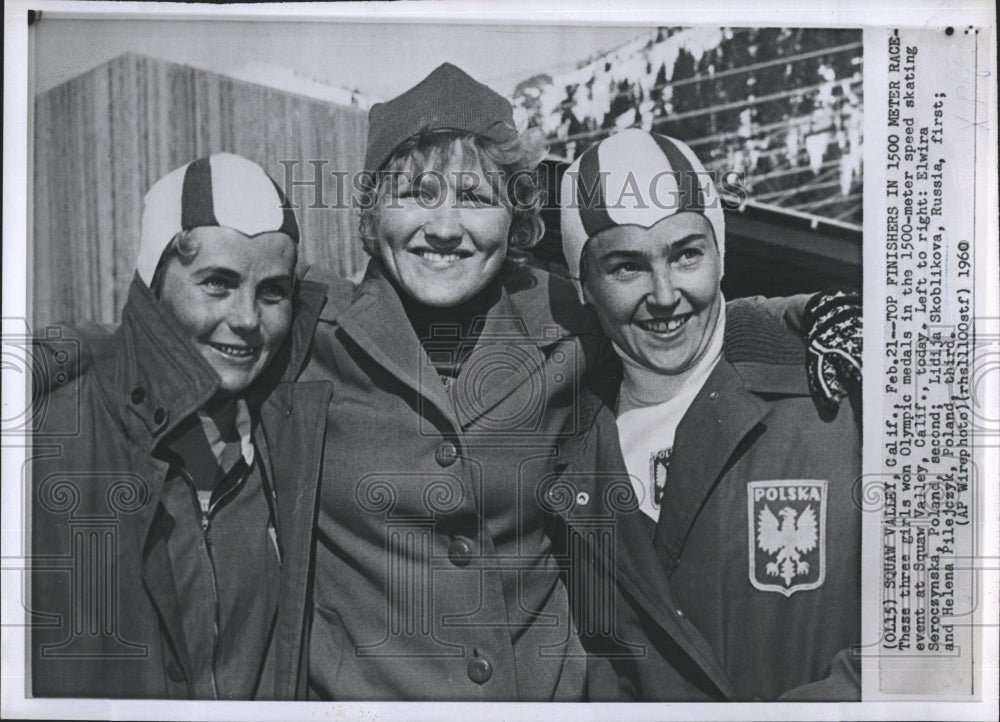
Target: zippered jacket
[{"x": 113, "y": 599}]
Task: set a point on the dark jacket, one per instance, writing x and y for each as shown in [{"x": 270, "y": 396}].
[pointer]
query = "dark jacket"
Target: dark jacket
[
  {"x": 437, "y": 577},
  {"x": 720, "y": 622},
  {"x": 106, "y": 618},
  {"x": 434, "y": 575}
]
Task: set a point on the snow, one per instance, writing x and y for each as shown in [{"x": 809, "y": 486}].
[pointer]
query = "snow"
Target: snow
[{"x": 281, "y": 78}]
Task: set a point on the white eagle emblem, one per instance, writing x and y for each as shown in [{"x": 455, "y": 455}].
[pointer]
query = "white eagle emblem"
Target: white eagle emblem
[
  {"x": 787, "y": 549},
  {"x": 789, "y": 539}
]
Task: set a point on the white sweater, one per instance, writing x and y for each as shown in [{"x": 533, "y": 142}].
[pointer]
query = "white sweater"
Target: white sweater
[{"x": 650, "y": 408}]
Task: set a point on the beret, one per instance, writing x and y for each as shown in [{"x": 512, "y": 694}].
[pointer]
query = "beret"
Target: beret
[{"x": 447, "y": 99}]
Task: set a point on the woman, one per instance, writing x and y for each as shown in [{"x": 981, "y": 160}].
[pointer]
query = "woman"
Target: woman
[
  {"x": 742, "y": 523},
  {"x": 182, "y": 507},
  {"x": 456, "y": 372},
  {"x": 434, "y": 578}
]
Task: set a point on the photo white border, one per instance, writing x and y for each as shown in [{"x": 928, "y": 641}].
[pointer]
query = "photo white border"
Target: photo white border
[{"x": 728, "y": 13}]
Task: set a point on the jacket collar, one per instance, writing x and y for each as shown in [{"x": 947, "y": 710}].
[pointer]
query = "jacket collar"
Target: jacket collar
[
  {"x": 158, "y": 378},
  {"x": 728, "y": 408},
  {"x": 376, "y": 321},
  {"x": 720, "y": 418},
  {"x": 308, "y": 304},
  {"x": 784, "y": 376},
  {"x": 593, "y": 473},
  {"x": 540, "y": 306},
  {"x": 531, "y": 310},
  {"x": 155, "y": 378}
]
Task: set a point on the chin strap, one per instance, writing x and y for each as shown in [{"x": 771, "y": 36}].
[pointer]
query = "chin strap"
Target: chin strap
[{"x": 832, "y": 325}]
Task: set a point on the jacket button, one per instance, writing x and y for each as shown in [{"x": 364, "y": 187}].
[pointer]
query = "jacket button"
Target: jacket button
[
  {"x": 174, "y": 671},
  {"x": 446, "y": 454},
  {"x": 160, "y": 416},
  {"x": 138, "y": 395},
  {"x": 460, "y": 551},
  {"x": 480, "y": 670}
]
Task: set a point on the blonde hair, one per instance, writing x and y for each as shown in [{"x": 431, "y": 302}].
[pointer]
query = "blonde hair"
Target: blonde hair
[{"x": 184, "y": 246}]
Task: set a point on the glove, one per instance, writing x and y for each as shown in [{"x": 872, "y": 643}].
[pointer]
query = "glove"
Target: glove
[{"x": 832, "y": 327}]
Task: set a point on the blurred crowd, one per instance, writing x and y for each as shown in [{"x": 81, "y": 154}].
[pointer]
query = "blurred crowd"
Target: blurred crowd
[{"x": 782, "y": 106}]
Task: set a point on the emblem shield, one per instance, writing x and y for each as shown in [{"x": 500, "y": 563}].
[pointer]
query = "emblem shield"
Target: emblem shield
[{"x": 787, "y": 545}]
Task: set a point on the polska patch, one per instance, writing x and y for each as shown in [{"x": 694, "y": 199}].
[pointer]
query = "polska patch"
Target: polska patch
[{"x": 787, "y": 545}]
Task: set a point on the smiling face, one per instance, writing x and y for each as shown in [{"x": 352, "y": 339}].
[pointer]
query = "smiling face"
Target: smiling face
[
  {"x": 656, "y": 290},
  {"x": 233, "y": 299},
  {"x": 443, "y": 229}
]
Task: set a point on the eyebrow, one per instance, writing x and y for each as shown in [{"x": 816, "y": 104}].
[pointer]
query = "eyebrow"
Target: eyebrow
[
  {"x": 282, "y": 278},
  {"x": 232, "y": 275},
  {"x": 680, "y": 242},
  {"x": 689, "y": 238},
  {"x": 202, "y": 273}
]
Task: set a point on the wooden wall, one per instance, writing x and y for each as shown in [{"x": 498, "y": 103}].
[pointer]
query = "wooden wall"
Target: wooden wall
[{"x": 104, "y": 137}]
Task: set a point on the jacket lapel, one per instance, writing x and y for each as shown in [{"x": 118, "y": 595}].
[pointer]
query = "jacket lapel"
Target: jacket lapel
[
  {"x": 159, "y": 379},
  {"x": 156, "y": 379},
  {"x": 635, "y": 565},
  {"x": 375, "y": 320},
  {"x": 262, "y": 451},
  {"x": 295, "y": 417},
  {"x": 640, "y": 574},
  {"x": 720, "y": 418},
  {"x": 509, "y": 354},
  {"x": 289, "y": 439},
  {"x": 158, "y": 578}
]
